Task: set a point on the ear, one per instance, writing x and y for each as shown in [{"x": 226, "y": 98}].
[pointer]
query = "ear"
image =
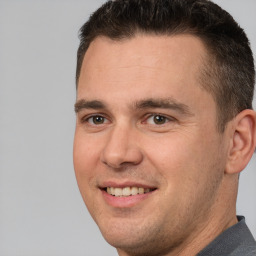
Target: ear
[{"x": 243, "y": 140}]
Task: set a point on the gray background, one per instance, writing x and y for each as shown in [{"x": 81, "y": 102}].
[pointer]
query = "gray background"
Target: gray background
[{"x": 41, "y": 211}]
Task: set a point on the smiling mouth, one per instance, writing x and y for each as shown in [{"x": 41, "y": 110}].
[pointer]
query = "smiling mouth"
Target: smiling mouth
[{"x": 127, "y": 191}]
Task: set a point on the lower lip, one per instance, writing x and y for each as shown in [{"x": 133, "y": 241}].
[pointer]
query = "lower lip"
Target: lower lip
[{"x": 125, "y": 201}]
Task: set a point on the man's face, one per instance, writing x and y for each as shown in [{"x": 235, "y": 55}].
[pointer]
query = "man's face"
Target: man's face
[{"x": 146, "y": 133}]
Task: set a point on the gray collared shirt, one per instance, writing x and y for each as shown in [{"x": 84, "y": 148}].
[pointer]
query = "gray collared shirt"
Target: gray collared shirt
[{"x": 235, "y": 241}]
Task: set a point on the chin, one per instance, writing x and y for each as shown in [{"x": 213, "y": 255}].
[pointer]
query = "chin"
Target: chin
[
  {"x": 122, "y": 233},
  {"x": 133, "y": 237},
  {"x": 138, "y": 245}
]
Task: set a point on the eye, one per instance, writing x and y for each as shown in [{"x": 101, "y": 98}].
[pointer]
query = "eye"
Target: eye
[
  {"x": 157, "y": 119},
  {"x": 96, "y": 120}
]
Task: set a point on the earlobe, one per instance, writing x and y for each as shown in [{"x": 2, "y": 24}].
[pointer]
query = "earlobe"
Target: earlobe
[{"x": 242, "y": 141}]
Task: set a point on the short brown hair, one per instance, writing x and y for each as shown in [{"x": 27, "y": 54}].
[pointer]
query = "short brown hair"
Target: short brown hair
[{"x": 229, "y": 73}]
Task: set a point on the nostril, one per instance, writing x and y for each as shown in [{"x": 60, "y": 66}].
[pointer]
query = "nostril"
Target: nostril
[{"x": 118, "y": 160}]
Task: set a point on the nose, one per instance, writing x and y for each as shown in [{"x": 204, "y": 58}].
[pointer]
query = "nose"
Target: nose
[{"x": 121, "y": 148}]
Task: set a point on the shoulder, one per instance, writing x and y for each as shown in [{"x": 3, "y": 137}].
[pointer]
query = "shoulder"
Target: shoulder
[
  {"x": 235, "y": 241},
  {"x": 245, "y": 251},
  {"x": 246, "y": 244}
]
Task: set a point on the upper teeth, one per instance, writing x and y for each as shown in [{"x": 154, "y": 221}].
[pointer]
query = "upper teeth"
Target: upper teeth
[{"x": 127, "y": 191}]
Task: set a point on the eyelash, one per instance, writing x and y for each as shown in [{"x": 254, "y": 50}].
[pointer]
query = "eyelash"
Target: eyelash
[
  {"x": 87, "y": 118},
  {"x": 165, "y": 119}
]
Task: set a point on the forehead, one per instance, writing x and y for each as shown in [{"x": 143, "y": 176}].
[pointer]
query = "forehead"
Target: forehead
[
  {"x": 145, "y": 49},
  {"x": 145, "y": 66}
]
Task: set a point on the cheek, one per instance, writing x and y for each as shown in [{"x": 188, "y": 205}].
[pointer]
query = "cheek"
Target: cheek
[
  {"x": 170, "y": 153},
  {"x": 85, "y": 156},
  {"x": 184, "y": 162},
  {"x": 86, "y": 148}
]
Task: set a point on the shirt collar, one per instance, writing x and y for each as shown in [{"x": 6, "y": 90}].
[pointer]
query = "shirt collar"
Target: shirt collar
[{"x": 231, "y": 239}]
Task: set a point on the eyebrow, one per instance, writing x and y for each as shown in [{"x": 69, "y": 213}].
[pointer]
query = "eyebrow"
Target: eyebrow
[
  {"x": 166, "y": 103},
  {"x": 84, "y": 104}
]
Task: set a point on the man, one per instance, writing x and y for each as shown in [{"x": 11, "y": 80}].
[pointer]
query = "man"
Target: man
[{"x": 165, "y": 126}]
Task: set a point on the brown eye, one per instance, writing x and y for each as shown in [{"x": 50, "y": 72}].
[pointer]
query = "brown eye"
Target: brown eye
[
  {"x": 96, "y": 120},
  {"x": 159, "y": 119}
]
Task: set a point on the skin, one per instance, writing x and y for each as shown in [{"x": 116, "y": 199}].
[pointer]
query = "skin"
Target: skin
[{"x": 192, "y": 167}]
